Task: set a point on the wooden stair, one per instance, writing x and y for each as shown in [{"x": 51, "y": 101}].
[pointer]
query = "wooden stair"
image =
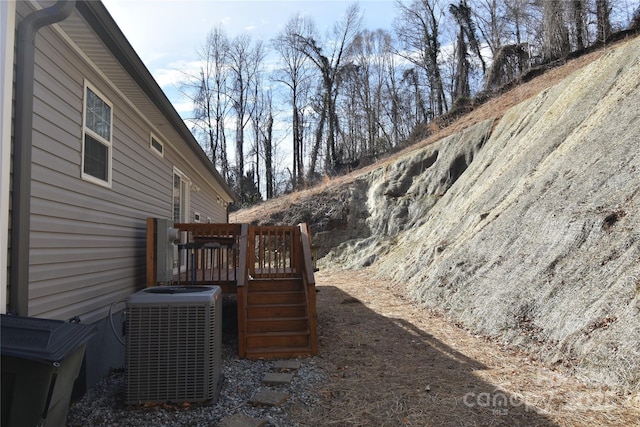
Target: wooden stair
[{"x": 277, "y": 321}]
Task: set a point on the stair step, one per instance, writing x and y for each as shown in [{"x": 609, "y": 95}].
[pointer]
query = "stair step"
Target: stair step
[
  {"x": 278, "y": 352},
  {"x": 279, "y": 311},
  {"x": 277, "y": 339},
  {"x": 264, "y": 285},
  {"x": 277, "y": 324},
  {"x": 279, "y": 297}
]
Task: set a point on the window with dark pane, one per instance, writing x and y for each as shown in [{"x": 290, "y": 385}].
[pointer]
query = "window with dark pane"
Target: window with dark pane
[
  {"x": 177, "y": 217},
  {"x": 96, "y": 158}
]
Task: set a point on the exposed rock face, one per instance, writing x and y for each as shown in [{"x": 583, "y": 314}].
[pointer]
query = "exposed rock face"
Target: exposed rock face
[
  {"x": 397, "y": 198},
  {"x": 529, "y": 231},
  {"x": 526, "y": 229}
]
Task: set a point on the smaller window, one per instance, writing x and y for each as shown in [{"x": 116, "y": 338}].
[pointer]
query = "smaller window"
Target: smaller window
[
  {"x": 157, "y": 146},
  {"x": 196, "y": 217}
]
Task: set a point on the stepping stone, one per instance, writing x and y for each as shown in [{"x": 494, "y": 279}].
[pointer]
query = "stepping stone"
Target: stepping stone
[
  {"x": 269, "y": 398},
  {"x": 278, "y": 378},
  {"x": 287, "y": 365},
  {"x": 240, "y": 420}
]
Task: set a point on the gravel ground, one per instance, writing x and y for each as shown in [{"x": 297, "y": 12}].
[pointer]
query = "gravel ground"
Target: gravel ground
[{"x": 103, "y": 405}]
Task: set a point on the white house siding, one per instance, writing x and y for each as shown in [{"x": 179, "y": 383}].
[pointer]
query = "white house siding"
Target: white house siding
[{"x": 88, "y": 241}]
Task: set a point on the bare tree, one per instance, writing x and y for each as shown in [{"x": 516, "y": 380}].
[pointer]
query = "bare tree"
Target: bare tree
[
  {"x": 268, "y": 149},
  {"x": 329, "y": 64},
  {"x": 245, "y": 60},
  {"x": 490, "y": 16},
  {"x": 368, "y": 94},
  {"x": 556, "y": 35},
  {"x": 411, "y": 80},
  {"x": 579, "y": 23},
  {"x": 466, "y": 40},
  {"x": 510, "y": 29},
  {"x": 522, "y": 21},
  {"x": 635, "y": 19},
  {"x": 207, "y": 91},
  {"x": 603, "y": 12},
  {"x": 418, "y": 30},
  {"x": 395, "y": 108},
  {"x": 295, "y": 74}
]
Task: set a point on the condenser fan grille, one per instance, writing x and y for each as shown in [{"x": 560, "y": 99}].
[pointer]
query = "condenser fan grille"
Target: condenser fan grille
[{"x": 173, "y": 351}]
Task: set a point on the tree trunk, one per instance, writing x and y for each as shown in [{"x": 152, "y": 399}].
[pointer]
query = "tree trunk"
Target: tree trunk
[
  {"x": 268, "y": 157},
  {"x": 603, "y": 12},
  {"x": 579, "y": 22}
]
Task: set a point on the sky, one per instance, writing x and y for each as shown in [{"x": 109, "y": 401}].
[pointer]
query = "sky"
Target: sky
[{"x": 166, "y": 34}]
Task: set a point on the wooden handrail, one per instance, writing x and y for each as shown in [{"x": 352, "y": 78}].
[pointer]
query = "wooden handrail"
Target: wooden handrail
[
  {"x": 305, "y": 238},
  {"x": 309, "y": 282}
]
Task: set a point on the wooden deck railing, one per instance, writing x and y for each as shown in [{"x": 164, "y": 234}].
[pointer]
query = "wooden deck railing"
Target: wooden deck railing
[
  {"x": 273, "y": 252},
  {"x": 210, "y": 253}
]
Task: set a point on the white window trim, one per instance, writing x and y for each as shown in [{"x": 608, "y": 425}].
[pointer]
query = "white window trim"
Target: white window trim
[
  {"x": 187, "y": 201},
  {"x": 108, "y": 144},
  {"x": 185, "y": 215},
  {"x": 154, "y": 150}
]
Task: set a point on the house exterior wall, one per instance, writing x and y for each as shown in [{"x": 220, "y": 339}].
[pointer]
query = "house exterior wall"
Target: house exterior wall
[
  {"x": 7, "y": 30},
  {"x": 87, "y": 241}
]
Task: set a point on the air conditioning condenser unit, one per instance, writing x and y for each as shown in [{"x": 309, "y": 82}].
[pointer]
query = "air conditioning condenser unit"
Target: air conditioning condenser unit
[{"x": 174, "y": 338}]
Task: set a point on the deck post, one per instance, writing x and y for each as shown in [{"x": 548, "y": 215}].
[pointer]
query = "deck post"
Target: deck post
[{"x": 241, "y": 290}]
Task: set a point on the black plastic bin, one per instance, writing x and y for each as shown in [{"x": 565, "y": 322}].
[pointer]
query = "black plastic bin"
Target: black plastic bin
[{"x": 41, "y": 359}]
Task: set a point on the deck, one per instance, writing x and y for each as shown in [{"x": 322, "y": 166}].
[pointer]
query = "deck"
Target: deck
[{"x": 270, "y": 269}]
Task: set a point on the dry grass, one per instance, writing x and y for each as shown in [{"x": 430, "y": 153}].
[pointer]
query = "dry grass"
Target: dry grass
[{"x": 392, "y": 363}]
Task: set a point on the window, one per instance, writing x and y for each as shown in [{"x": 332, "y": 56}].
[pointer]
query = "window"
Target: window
[
  {"x": 181, "y": 186},
  {"x": 157, "y": 146},
  {"x": 180, "y": 205},
  {"x": 96, "y": 138}
]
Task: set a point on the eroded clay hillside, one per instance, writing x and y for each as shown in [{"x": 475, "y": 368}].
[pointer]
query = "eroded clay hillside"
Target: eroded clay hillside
[{"x": 522, "y": 225}]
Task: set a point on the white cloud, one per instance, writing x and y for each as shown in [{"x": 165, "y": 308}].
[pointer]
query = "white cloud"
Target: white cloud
[
  {"x": 176, "y": 73},
  {"x": 185, "y": 109}
]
